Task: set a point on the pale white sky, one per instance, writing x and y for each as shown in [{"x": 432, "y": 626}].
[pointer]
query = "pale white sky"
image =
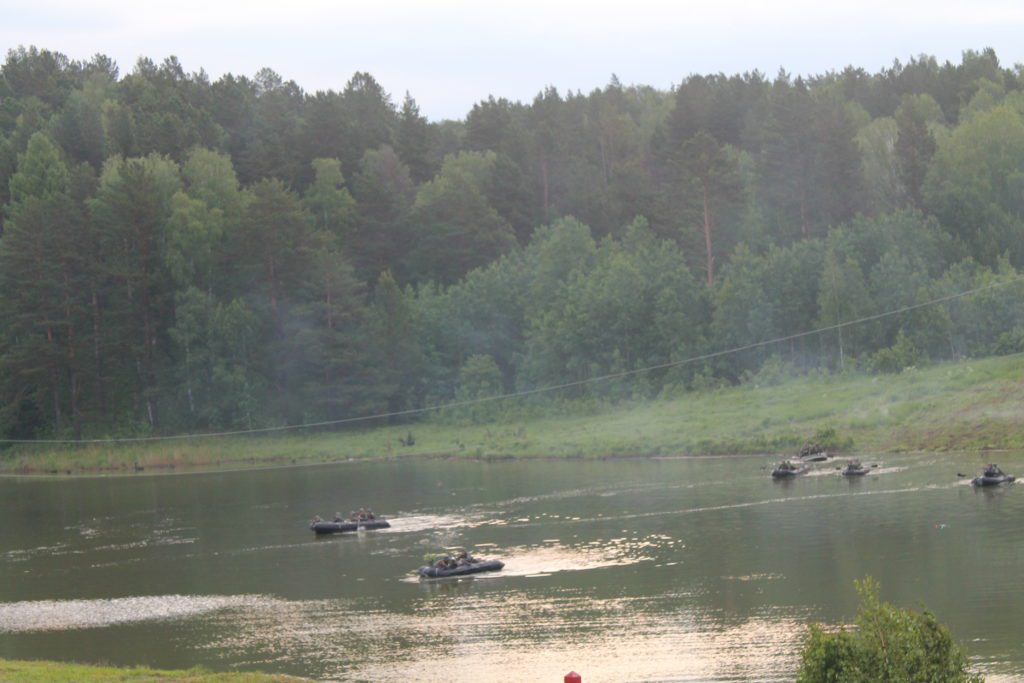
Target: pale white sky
[{"x": 451, "y": 53}]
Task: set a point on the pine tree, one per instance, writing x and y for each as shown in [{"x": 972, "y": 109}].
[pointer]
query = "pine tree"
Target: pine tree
[
  {"x": 708, "y": 170},
  {"x": 44, "y": 277},
  {"x": 384, "y": 194},
  {"x": 131, "y": 213},
  {"x": 413, "y": 140},
  {"x": 329, "y": 201}
]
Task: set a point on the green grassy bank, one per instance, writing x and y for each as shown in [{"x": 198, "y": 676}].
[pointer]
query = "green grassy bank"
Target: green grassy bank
[
  {"x": 967, "y": 406},
  {"x": 14, "y": 671}
]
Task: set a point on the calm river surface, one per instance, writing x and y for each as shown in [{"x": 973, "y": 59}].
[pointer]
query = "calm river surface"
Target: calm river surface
[{"x": 692, "y": 569}]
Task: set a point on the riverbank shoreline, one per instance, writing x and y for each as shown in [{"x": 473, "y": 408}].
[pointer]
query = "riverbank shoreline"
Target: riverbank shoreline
[
  {"x": 495, "y": 460},
  {"x": 969, "y": 407},
  {"x": 45, "y": 671}
]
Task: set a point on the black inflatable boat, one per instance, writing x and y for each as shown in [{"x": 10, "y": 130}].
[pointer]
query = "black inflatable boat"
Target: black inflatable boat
[
  {"x": 855, "y": 469},
  {"x": 348, "y": 525},
  {"x": 789, "y": 469},
  {"x": 462, "y": 570},
  {"x": 992, "y": 480}
]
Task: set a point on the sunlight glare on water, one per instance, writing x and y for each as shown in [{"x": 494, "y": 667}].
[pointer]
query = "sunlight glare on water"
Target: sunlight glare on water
[{"x": 62, "y": 615}]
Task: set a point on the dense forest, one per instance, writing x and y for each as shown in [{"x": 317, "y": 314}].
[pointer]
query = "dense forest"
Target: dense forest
[{"x": 179, "y": 254}]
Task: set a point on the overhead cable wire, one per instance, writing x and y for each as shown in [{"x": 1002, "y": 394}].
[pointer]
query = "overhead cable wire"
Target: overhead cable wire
[{"x": 525, "y": 392}]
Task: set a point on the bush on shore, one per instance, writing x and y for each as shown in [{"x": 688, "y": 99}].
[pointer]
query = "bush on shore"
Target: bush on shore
[{"x": 888, "y": 644}]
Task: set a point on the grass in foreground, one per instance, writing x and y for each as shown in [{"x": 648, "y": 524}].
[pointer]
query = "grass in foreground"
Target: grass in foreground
[
  {"x": 15, "y": 671},
  {"x": 967, "y": 406}
]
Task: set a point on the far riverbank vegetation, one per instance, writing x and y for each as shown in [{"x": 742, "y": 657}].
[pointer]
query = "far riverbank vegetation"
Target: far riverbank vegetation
[
  {"x": 964, "y": 407},
  {"x": 186, "y": 256}
]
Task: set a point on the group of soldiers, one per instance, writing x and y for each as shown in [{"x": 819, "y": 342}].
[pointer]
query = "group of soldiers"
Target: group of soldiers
[
  {"x": 992, "y": 470},
  {"x": 364, "y": 515},
  {"x": 808, "y": 449},
  {"x": 460, "y": 559}
]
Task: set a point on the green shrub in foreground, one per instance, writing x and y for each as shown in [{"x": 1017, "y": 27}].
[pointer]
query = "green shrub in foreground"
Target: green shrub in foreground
[{"x": 888, "y": 644}]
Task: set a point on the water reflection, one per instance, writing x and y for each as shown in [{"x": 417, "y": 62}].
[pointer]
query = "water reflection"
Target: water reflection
[{"x": 456, "y": 628}]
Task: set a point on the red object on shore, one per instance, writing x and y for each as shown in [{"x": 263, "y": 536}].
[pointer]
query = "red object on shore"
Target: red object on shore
[{"x": 573, "y": 677}]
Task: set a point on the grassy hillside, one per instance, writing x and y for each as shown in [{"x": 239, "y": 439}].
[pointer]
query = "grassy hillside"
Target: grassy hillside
[
  {"x": 14, "y": 671},
  {"x": 971, "y": 405}
]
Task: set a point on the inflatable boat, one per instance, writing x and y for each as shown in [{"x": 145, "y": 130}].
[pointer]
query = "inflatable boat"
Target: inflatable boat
[
  {"x": 348, "y": 525},
  {"x": 855, "y": 469},
  {"x": 789, "y": 469},
  {"x": 462, "y": 570},
  {"x": 992, "y": 479}
]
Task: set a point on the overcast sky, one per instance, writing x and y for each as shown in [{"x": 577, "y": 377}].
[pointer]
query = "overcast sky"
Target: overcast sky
[{"x": 450, "y": 53}]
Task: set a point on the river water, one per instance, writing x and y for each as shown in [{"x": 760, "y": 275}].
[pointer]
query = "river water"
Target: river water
[{"x": 701, "y": 569}]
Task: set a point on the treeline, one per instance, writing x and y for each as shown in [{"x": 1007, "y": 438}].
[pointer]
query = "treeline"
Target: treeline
[{"x": 179, "y": 254}]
